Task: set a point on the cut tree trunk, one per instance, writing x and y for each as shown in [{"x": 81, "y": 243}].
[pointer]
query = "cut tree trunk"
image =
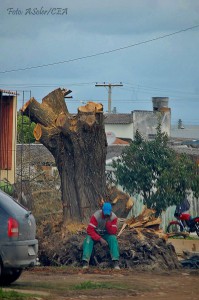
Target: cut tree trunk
[{"x": 78, "y": 144}]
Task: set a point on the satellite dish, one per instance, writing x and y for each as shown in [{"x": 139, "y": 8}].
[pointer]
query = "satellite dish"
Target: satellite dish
[{"x": 110, "y": 136}]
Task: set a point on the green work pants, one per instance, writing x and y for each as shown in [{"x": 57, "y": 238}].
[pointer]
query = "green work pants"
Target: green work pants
[{"x": 112, "y": 242}]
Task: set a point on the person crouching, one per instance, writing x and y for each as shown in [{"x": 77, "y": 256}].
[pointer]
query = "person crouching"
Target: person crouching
[{"x": 102, "y": 228}]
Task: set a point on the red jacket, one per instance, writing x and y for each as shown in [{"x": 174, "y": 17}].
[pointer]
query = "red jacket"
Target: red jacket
[{"x": 99, "y": 225}]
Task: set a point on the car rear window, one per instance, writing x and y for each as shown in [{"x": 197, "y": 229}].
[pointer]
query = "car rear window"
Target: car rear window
[{"x": 10, "y": 205}]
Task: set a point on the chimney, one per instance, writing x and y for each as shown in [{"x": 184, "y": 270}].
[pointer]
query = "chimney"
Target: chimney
[{"x": 160, "y": 103}]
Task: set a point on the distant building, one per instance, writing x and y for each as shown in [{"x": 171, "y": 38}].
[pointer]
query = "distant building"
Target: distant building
[{"x": 125, "y": 125}]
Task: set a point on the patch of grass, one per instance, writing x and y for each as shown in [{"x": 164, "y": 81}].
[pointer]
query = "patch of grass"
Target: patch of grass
[
  {"x": 12, "y": 295},
  {"x": 89, "y": 285}
]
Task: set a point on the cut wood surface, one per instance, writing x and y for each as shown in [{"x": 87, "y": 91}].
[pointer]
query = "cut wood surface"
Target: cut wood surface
[
  {"x": 91, "y": 107},
  {"x": 146, "y": 222}
]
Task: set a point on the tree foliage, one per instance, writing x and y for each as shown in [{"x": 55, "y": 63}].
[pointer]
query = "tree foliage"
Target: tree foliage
[
  {"x": 156, "y": 172},
  {"x": 25, "y": 130}
]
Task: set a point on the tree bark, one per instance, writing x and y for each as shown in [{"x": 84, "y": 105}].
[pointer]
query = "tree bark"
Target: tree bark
[{"x": 78, "y": 144}]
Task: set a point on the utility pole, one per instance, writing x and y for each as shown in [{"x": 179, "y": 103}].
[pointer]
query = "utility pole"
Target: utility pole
[{"x": 109, "y": 85}]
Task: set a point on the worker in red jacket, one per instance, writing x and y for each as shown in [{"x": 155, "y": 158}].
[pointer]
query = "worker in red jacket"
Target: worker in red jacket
[{"x": 102, "y": 228}]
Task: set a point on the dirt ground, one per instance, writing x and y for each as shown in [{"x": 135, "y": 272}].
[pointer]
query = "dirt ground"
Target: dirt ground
[{"x": 74, "y": 283}]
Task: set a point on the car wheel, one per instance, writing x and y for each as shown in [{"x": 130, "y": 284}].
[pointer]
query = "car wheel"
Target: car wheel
[{"x": 7, "y": 277}]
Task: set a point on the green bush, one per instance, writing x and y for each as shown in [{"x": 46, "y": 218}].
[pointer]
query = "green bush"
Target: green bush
[{"x": 6, "y": 187}]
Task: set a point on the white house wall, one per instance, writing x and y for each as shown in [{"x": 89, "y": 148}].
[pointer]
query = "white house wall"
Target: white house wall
[{"x": 121, "y": 130}]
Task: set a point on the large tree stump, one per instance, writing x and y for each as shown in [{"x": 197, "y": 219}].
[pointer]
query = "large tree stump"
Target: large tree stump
[{"x": 78, "y": 144}]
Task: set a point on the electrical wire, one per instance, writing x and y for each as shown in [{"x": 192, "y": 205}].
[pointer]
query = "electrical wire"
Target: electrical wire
[
  {"x": 100, "y": 53},
  {"x": 137, "y": 88},
  {"x": 143, "y": 87}
]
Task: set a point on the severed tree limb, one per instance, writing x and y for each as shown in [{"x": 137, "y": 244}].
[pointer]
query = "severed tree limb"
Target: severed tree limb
[
  {"x": 55, "y": 101},
  {"x": 38, "y": 113}
]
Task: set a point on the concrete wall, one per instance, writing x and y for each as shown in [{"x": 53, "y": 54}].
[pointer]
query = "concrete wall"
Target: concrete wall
[
  {"x": 121, "y": 130},
  {"x": 146, "y": 122}
]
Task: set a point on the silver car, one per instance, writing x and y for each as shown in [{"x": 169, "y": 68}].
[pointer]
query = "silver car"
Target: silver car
[{"x": 18, "y": 245}]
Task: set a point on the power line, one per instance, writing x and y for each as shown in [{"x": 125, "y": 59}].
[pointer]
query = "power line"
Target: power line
[
  {"x": 101, "y": 53},
  {"x": 143, "y": 87},
  {"x": 138, "y": 88}
]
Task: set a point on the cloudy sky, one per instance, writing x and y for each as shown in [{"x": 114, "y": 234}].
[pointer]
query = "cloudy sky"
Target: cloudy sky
[{"x": 68, "y": 43}]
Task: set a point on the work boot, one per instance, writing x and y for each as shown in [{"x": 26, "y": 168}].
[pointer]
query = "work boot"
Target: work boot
[
  {"x": 85, "y": 264},
  {"x": 116, "y": 265}
]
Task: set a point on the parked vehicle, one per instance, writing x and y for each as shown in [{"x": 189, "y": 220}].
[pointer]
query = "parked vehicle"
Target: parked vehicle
[
  {"x": 185, "y": 222},
  {"x": 18, "y": 245}
]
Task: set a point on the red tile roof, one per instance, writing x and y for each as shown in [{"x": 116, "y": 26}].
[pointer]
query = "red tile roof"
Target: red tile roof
[{"x": 120, "y": 142}]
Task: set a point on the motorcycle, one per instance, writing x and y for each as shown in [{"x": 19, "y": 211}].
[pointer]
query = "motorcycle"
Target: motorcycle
[{"x": 184, "y": 223}]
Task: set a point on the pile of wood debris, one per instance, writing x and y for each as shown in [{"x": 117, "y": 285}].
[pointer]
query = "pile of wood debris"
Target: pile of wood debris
[
  {"x": 146, "y": 222},
  {"x": 142, "y": 245},
  {"x": 190, "y": 260}
]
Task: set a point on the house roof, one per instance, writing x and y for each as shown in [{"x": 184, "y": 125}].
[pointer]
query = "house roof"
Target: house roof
[
  {"x": 194, "y": 152},
  {"x": 14, "y": 93},
  {"x": 118, "y": 118},
  {"x": 119, "y": 141},
  {"x": 115, "y": 150},
  {"x": 38, "y": 154}
]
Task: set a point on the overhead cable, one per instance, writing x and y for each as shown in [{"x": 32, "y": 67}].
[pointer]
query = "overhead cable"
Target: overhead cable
[{"x": 100, "y": 53}]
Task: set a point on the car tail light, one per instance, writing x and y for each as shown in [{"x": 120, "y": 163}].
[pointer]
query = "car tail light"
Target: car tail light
[{"x": 13, "y": 228}]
